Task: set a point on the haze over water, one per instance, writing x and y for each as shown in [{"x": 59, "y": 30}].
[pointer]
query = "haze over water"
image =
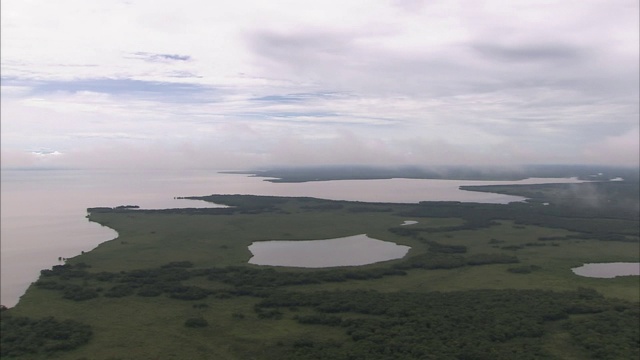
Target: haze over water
[{"x": 43, "y": 211}]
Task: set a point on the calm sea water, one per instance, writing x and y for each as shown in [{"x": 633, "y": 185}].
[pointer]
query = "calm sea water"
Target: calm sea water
[{"x": 43, "y": 211}]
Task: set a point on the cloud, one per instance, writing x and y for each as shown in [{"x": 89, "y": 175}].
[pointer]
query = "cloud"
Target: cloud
[
  {"x": 126, "y": 87},
  {"x": 159, "y": 57},
  {"x": 622, "y": 149},
  {"x": 530, "y": 52},
  {"x": 335, "y": 81}
]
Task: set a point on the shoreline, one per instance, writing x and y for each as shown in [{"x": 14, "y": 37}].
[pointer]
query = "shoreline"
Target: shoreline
[{"x": 80, "y": 240}]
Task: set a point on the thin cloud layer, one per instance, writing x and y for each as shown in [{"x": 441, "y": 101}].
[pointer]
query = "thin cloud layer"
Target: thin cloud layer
[{"x": 252, "y": 83}]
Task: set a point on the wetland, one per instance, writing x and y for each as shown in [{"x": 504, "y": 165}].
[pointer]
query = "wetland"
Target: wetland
[{"x": 176, "y": 283}]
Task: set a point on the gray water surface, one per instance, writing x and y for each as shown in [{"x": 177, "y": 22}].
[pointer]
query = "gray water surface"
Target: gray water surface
[
  {"x": 608, "y": 270},
  {"x": 347, "y": 251}
]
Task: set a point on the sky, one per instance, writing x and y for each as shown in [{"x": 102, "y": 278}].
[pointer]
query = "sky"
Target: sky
[{"x": 249, "y": 84}]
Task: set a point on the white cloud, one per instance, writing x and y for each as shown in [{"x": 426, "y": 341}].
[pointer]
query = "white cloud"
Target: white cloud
[
  {"x": 333, "y": 81},
  {"x": 622, "y": 149}
]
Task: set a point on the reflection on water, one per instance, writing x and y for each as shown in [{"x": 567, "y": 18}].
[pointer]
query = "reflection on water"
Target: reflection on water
[
  {"x": 348, "y": 251},
  {"x": 608, "y": 270}
]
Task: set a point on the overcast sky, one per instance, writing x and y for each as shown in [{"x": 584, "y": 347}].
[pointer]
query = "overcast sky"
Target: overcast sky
[{"x": 236, "y": 84}]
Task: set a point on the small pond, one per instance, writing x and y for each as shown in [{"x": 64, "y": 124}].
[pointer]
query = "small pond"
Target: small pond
[
  {"x": 608, "y": 270},
  {"x": 347, "y": 251}
]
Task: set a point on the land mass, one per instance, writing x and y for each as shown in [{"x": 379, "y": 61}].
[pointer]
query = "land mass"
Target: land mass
[
  {"x": 481, "y": 281},
  {"x": 360, "y": 172}
]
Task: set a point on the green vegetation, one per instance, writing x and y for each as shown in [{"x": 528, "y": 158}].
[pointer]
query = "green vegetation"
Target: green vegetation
[
  {"x": 22, "y": 335},
  {"x": 479, "y": 324},
  {"x": 481, "y": 281}
]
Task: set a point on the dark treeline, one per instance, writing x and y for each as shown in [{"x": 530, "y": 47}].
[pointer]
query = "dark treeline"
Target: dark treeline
[
  {"x": 599, "y": 236},
  {"x": 478, "y": 324},
  {"x": 592, "y": 225},
  {"x": 444, "y": 261},
  {"x": 24, "y": 335},
  {"x": 187, "y": 211},
  {"x": 243, "y": 203},
  {"x": 243, "y": 280},
  {"x": 352, "y": 172}
]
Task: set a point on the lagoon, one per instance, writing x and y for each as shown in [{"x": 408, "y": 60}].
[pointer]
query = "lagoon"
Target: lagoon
[
  {"x": 608, "y": 270},
  {"x": 347, "y": 251}
]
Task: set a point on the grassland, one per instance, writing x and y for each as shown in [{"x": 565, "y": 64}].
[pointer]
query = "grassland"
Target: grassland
[{"x": 245, "y": 306}]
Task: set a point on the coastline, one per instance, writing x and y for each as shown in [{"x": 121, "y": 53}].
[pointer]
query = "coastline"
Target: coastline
[{"x": 57, "y": 245}]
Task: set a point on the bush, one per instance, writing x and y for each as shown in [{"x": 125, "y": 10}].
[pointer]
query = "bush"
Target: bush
[
  {"x": 196, "y": 322},
  {"x": 149, "y": 291},
  {"x": 178, "y": 264},
  {"x": 79, "y": 293},
  {"x": 523, "y": 269},
  {"x": 188, "y": 293},
  {"x": 23, "y": 335},
  {"x": 119, "y": 291},
  {"x": 236, "y": 315},
  {"x": 49, "y": 285}
]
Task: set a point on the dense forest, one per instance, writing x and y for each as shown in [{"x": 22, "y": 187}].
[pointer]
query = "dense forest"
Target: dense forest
[{"x": 475, "y": 324}]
